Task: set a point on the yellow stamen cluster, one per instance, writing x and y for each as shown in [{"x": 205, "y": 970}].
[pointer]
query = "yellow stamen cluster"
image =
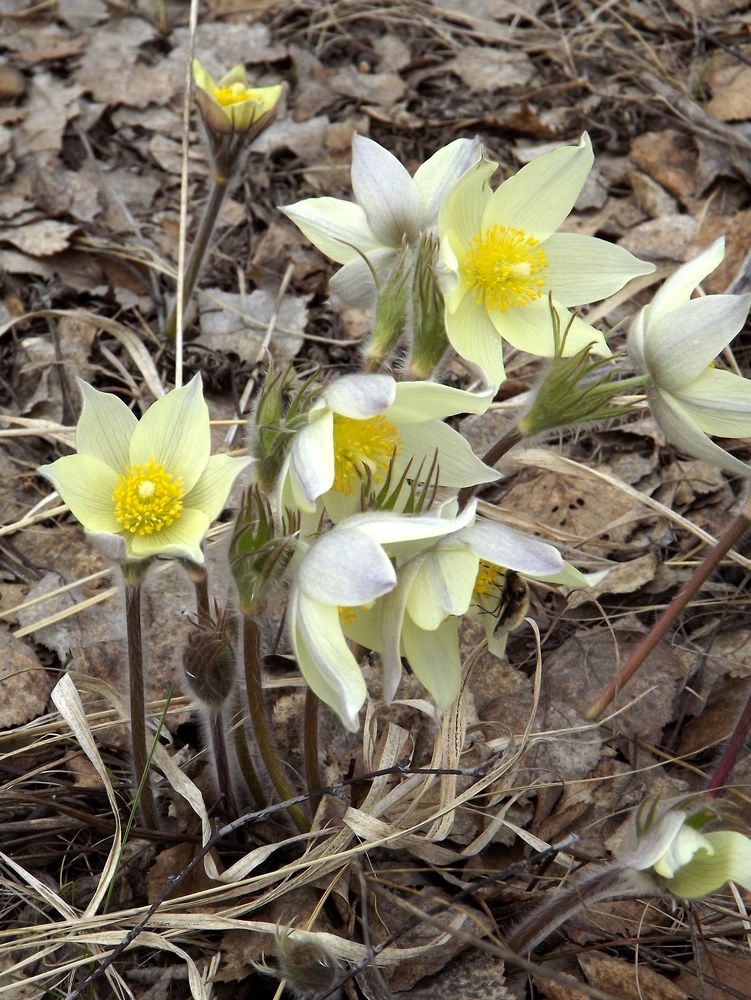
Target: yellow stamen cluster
[
  {"x": 489, "y": 579},
  {"x": 147, "y": 498},
  {"x": 506, "y": 268},
  {"x": 236, "y": 93},
  {"x": 362, "y": 447},
  {"x": 346, "y": 615}
]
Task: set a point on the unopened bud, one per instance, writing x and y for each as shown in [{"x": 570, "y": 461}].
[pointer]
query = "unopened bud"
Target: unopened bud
[
  {"x": 391, "y": 313},
  {"x": 281, "y": 410},
  {"x": 429, "y": 340},
  {"x": 209, "y": 661},
  {"x": 309, "y": 968},
  {"x": 257, "y": 555}
]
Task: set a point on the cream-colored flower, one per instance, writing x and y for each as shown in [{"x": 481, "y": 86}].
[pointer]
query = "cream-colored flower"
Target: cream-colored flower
[
  {"x": 675, "y": 341},
  {"x": 150, "y": 486},
  {"x": 230, "y": 105},
  {"x": 503, "y": 258}
]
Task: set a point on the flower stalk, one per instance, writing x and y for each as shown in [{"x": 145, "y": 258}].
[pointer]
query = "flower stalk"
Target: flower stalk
[{"x": 310, "y": 749}]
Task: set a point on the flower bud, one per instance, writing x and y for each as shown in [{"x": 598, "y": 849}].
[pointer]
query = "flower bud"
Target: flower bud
[
  {"x": 257, "y": 556},
  {"x": 209, "y": 660},
  {"x": 280, "y": 412},
  {"x": 429, "y": 340},
  {"x": 391, "y": 313},
  {"x": 309, "y": 968}
]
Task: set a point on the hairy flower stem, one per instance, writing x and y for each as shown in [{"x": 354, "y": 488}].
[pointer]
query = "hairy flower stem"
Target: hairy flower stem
[
  {"x": 731, "y": 752},
  {"x": 310, "y": 741},
  {"x": 137, "y": 701},
  {"x": 691, "y": 587},
  {"x": 219, "y": 189},
  {"x": 247, "y": 769},
  {"x": 218, "y": 743},
  {"x": 494, "y": 454},
  {"x": 201, "y": 587},
  {"x": 262, "y": 730}
]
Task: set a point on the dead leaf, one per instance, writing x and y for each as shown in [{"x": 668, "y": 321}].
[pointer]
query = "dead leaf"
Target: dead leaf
[
  {"x": 383, "y": 89},
  {"x": 719, "y": 968},
  {"x": 729, "y": 80},
  {"x": 12, "y": 83},
  {"x": 736, "y": 229},
  {"x": 24, "y": 683},
  {"x": 305, "y": 139},
  {"x": 471, "y": 976},
  {"x": 49, "y": 108},
  {"x": 40, "y": 239},
  {"x": 670, "y": 158},
  {"x": 667, "y": 238},
  {"x": 238, "y": 323},
  {"x": 628, "y": 980},
  {"x": 82, "y": 14},
  {"x": 484, "y": 69}
]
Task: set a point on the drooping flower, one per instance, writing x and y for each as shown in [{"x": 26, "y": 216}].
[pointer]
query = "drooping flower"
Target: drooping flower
[
  {"x": 675, "y": 340},
  {"x": 503, "y": 258},
  {"x": 347, "y": 568},
  {"x": 230, "y": 105},
  {"x": 150, "y": 486},
  {"x": 362, "y": 423},
  {"x": 391, "y": 209}
]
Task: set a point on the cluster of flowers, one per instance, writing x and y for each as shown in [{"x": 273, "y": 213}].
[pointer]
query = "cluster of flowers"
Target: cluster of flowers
[{"x": 366, "y": 491}]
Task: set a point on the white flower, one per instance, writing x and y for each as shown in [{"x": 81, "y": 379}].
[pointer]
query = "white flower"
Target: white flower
[
  {"x": 503, "y": 258},
  {"x": 150, "y": 486},
  {"x": 675, "y": 340},
  {"x": 346, "y": 568},
  {"x": 390, "y": 208},
  {"x": 362, "y": 422},
  {"x": 464, "y": 571}
]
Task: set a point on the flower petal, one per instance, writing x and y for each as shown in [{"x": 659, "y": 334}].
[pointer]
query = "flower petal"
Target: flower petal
[
  {"x": 719, "y": 402},
  {"x": 705, "y": 873},
  {"x": 434, "y": 658},
  {"x": 346, "y": 568},
  {"x": 584, "y": 269},
  {"x": 386, "y": 191},
  {"x": 510, "y": 549},
  {"x": 443, "y": 586},
  {"x": 679, "y": 346},
  {"x": 474, "y": 338},
  {"x": 683, "y": 432},
  {"x": 438, "y": 175},
  {"x": 311, "y": 469},
  {"x": 530, "y": 328},
  {"x": 353, "y": 284},
  {"x": 182, "y": 539},
  {"x": 175, "y": 431},
  {"x": 463, "y": 207},
  {"x": 360, "y": 396},
  {"x": 678, "y": 288},
  {"x": 389, "y": 529},
  {"x": 635, "y": 341},
  {"x": 213, "y": 488},
  {"x": 86, "y": 484},
  {"x": 393, "y": 610},
  {"x": 105, "y": 427},
  {"x": 418, "y": 401},
  {"x": 336, "y": 227},
  {"x": 325, "y": 661},
  {"x": 457, "y": 463},
  {"x": 539, "y": 196}
]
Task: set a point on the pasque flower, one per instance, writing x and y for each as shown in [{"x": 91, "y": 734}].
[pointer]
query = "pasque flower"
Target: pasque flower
[
  {"x": 391, "y": 209},
  {"x": 503, "y": 258},
  {"x": 361, "y": 424},
  {"x": 231, "y": 105},
  {"x": 346, "y": 568},
  {"x": 150, "y": 486},
  {"x": 675, "y": 340}
]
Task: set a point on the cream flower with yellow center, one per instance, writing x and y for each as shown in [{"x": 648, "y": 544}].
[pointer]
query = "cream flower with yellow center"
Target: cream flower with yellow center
[{"x": 230, "y": 105}]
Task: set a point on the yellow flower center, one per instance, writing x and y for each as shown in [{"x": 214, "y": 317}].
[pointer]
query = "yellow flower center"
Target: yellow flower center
[
  {"x": 506, "y": 267},
  {"x": 362, "y": 447},
  {"x": 236, "y": 93},
  {"x": 346, "y": 615},
  {"x": 489, "y": 579},
  {"x": 147, "y": 498}
]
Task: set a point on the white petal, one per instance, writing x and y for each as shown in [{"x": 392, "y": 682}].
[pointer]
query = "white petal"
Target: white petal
[
  {"x": 450, "y": 279},
  {"x": 311, "y": 469},
  {"x": 325, "y": 661},
  {"x": 386, "y": 191},
  {"x": 730, "y": 861},
  {"x": 86, "y": 484},
  {"x": 105, "y": 427},
  {"x": 438, "y": 175},
  {"x": 678, "y": 288},
  {"x": 457, "y": 463},
  {"x": 474, "y": 338},
  {"x": 719, "y": 402},
  {"x": 683, "y": 342},
  {"x": 182, "y": 539},
  {"x": 336, "y": 227},
  {"x": 360, "y": 396},
  {"x": 175, "y": 431},
  {"x": 583, "y": 269},
  {"x": 418, "y": 401},
  {"x": 389, "y": 529},
  {"x": 443, "y": 586},
  {"x": 530, "y": 328},
  {"x": 635, "y": 342},
  {"x": 511, "y": 550},
  {"x": 212, "y": 490},
  {"x": 434, "y": 658},
  {"x": 539, "y": 197},
  {"x": 682, "y": 431},
  {"x": 393, "y": 610},
  {"x": 345, "y": 567},
  {"x": 571, "y": 577},
  {"x": 353, "y": 284},
  {"x": 463, "y": 206}
]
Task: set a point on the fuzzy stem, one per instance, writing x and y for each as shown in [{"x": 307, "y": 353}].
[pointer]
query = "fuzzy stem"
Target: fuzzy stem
[
  {"x": 491, "y": 456},
  {"x": 203, "y": 606},
  {"x": 200, "y": 246},
  {"x": 689, "y": 589},
  {"x": 261, "y": 728},
  {"x": 248, "y": 771},
  {"x": 731, "y": 752},
  {"x": 137, "y": 701},
  {"x": 221, "y": 762},
  {"x": 310, "y": 742}
]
